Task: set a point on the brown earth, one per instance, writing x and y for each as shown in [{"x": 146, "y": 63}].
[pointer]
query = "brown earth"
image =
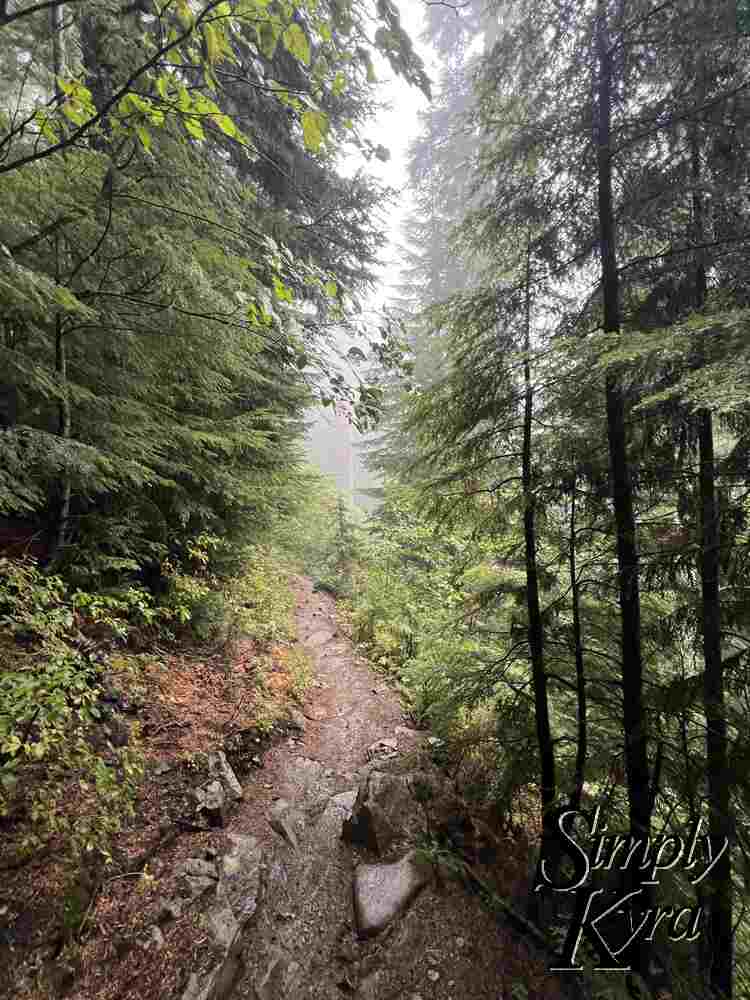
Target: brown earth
[{"x": 304, "y": 941}]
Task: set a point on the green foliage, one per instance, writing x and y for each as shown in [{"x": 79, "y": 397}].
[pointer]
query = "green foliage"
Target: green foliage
[
  {"x": 223, "y": 591},
  {"x": 48, "y": 707},
  {"x": 260, "y": 601},
  {"x": 322, "y": 534},
  {"x": 165, "y": 303},
  {"x": 431, "y": 851}
]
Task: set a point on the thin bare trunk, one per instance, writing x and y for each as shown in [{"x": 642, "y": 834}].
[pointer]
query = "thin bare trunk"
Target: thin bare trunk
[
  {"x": 61, "y": 366},
  {"x": 634, "y": 715},
  {"x": 582, "y": 723},
  {"x": 63, "y": 429},
  {"x": 718, "y": 941},
  {"x": 548, "y": 850},
  {"x": 719, "y": 896}
]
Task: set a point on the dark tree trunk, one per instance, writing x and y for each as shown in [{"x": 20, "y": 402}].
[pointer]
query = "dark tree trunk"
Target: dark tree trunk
[
  {"x": 98, "y": 72},
  {"x": 548, "y": 850},
  {"x": 63, "y": 429},
  {"x": 582, "y": 722},
  {"x": 718, "y": 775},
  {"x": 61, "y": 366},
  {"x": 634, "y": 716},
  {"x": 717, "y": 942}
]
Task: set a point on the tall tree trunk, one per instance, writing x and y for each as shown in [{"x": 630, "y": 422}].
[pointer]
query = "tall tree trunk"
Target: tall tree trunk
[
  {"x": 634, "y": 716},
  {"x": 548, "y": 851},
  {"x": 718, "y": 898},
  {"x": 56, "y": 15},
  {"x": 98, "y": 72},
  {"x": 718, "y": 774},
  {"x": 61, "y": 366},
  {"x": 63, "y": 429},
  {"x": 582, "y": 722}
]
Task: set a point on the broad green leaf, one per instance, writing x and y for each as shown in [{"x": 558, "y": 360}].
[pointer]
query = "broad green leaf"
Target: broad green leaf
[
  {"x": 45, "y": 124},
  {"x": 73, "y": 113},
  {"x": 295, "y": 42},
  {"x": 339, "y": 84},
  {"x": 331, "y": 289},
  {"x": 144, "y": 136},
  {"x": 194, "y": 127},
  {"x": 212, "y": 43},
  {"x": 281, "y": 291},
  {"x": 140, "y": 103},
  {"x": 314, "y": 128},
  {"x": 205, "y": 106},
  {"x": 226, "y": 125},
  {"x": 173, "y": 55},
  {"x": 8, "y": 781}
]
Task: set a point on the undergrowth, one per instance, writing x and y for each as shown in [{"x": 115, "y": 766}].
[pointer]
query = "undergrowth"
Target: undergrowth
[
  {"x": 53, "y": 778},
  {"x": 63, "y": 781}
]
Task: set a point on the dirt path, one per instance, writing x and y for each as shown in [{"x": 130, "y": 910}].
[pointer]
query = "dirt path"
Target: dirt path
[
  {"x": 347, "y": 709},
  {"x": 261, "y": 907},
  {"x": 304, "y": 942}
]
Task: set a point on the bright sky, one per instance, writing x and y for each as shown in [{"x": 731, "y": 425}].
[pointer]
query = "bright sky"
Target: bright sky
[{"x": 395, "y": 128}]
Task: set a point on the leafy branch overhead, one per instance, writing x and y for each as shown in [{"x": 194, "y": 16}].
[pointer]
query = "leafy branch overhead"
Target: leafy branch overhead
[{"x": 180, "y": 54}]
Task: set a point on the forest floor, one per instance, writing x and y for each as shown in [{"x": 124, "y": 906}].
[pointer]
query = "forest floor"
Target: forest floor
[{"x": 447, "y": 946}]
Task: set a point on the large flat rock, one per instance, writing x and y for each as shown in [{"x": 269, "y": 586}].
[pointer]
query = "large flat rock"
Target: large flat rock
[
  {"x": 383, "y": 809},
  {"x": 382, "y": 892}
]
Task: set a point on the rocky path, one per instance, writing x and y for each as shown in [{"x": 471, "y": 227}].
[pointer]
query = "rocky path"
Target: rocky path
[
  {"x": 325, "y": 918},
  {"x": 348, "y": 708}
]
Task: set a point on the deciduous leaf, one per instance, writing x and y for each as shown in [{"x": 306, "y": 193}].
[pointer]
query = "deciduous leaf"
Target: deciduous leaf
[
  {"x": 212, "y": 43},
  {"x": 295, "y": 41},
  {"x": 144, "y": 136},
  {"x": 314, "y": 128},
  {"x": 194, "y": 127}
]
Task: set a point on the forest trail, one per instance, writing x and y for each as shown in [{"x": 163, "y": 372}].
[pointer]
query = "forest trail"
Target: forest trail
[
  {"x": 347, "y": 708},
  {"x": 304, "y": 940},
  {"x": 274, "y": 902}
]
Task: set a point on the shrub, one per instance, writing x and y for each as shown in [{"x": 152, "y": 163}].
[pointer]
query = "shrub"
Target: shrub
[
  {"x": 260, "y": 604},
  {"x": 49, "y": 770}
]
